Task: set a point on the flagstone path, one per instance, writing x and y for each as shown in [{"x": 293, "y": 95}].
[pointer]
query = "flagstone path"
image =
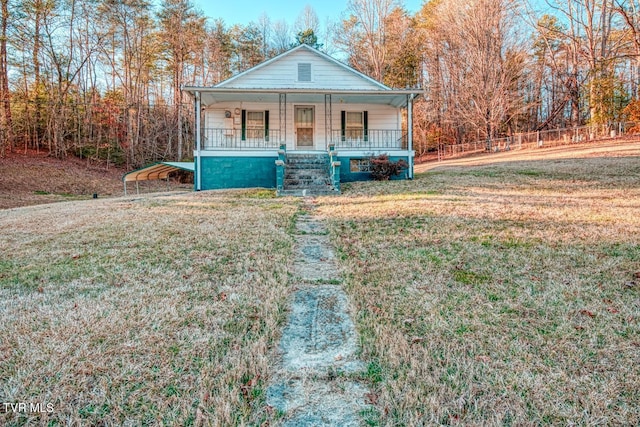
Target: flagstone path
[{"x": 313, "y": 384}]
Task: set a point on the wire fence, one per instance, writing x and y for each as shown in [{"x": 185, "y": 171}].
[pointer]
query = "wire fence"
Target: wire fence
[{"x": 538, "y": 139}]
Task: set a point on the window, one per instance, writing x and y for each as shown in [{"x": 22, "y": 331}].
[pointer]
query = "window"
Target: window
[
  {"x": 360, "y": 165},
  {"x": 354, "y": 125},
  {"x": 304, "y": 72},
  {"x": 255, "y": 124}
]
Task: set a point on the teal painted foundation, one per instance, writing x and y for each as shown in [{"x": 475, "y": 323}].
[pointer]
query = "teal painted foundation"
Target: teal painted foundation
[
  {"x": 346, "y": 175},
  {"x": 248, "y": 172},
  {"x": 238, "y": 172}
]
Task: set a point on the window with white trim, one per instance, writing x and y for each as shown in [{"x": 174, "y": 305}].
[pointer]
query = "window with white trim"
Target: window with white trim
[
  {"x": 354, "y": 125},
  {"x": 255, "y": 124}
]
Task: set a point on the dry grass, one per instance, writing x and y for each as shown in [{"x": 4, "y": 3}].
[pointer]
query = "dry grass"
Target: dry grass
[
  {"x": 504, "y": 294},
  {"x": 154, "y": 310},
  {"x": 498, "y": 294}
]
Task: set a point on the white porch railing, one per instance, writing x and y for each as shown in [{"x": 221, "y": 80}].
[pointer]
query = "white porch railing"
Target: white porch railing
[
  {"x": 257, "y": 139},
  {"x": 236, "y": 139},
  {"x": 371, "y": 139}
]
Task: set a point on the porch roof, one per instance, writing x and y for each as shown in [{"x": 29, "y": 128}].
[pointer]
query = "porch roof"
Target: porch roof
[{"x": 395, "y": 97}]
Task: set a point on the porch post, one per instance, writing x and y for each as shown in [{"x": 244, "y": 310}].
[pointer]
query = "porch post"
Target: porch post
[
  {"x": 328, "y": 119},
  {"x": 410, "y": 132},
  {"x": 283, "y": 117},
  {"x": 198, "y": 142}
]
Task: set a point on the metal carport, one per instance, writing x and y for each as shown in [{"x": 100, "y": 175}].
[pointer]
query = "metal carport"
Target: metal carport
[{"x": 160, "y": 170}]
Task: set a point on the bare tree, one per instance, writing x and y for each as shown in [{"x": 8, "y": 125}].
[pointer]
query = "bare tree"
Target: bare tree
[
  {"x": 247, "y": 47},
  {"x": 402, "y": 43},
  {"x": 477, "y": 65},
  {"x": 281, "y": 37},
  {"x": 129, "y": 51},
  {"x": 182, "y": 30},
  {"x": 364, "y": 33},
  {"x": 595, "y": 46},
  {"x": 629, "y": 10},
  {"x": 264, "y": 25},
  {"x": 307, "y": 20},
  {"x": 6, "y": 131},
  {"x": 218, "y": 53}
]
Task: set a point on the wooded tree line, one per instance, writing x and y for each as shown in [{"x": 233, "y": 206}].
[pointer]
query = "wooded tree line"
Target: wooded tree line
[{"x": 101, "y": 79}]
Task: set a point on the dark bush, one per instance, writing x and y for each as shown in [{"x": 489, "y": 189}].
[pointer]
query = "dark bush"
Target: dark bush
[{"x": 382, "y": 168}]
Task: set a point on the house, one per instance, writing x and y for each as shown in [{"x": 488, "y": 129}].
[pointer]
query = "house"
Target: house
[{"x": 301, "y": 121}]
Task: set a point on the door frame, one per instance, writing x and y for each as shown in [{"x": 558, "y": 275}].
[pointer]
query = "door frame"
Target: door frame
[{"x": 313, "y": 126}]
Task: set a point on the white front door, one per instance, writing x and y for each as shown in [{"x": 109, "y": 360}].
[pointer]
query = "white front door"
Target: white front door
[{"x": 304, "y": 127}]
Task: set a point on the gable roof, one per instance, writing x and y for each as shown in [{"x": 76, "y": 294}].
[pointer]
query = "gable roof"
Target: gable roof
[{"x": 244, "y": 79}]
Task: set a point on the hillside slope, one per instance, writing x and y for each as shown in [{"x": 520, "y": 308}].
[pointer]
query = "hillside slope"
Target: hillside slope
[
  {"x": 616, "y": 148},
  {"x": 34, "y": 178}
]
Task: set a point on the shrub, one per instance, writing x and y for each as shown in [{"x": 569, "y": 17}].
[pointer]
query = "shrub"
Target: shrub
[{"x": 382, "y": 168}]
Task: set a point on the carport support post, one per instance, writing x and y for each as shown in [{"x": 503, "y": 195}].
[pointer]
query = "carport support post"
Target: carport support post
[
  {"x": 410, "y": 132},
  {"x": 198, "y": 143}
]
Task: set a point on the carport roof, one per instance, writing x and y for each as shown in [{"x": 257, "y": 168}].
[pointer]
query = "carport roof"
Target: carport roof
[{"x": 159, "y": 170}]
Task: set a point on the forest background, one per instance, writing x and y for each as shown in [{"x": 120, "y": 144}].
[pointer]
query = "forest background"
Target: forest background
[{"x": 101, "y": 79}]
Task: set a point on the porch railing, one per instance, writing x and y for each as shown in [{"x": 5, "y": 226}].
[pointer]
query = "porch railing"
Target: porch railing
[
  {"x": 236, "y": 139},
  {"x": 370, "y": 139},
  {"x": 269, "y": 139}
]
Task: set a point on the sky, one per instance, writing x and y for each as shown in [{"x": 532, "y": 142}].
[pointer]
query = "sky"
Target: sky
[{"x": 245, "y": 11}]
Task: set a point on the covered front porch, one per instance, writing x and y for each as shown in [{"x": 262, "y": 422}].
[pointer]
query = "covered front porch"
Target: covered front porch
[
  {"x": 259, "y": 119},
  {"x": 243, "y": 134}
]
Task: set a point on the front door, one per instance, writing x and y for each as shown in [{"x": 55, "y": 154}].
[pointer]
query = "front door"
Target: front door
[{"x": 304, "y": 127}]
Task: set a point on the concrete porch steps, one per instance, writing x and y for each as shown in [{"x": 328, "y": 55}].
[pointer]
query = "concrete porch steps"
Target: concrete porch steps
[{"x": 307, "y": 175}]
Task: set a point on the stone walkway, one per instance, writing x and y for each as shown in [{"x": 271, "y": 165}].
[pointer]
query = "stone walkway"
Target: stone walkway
[{"x": 317, "y": 353}]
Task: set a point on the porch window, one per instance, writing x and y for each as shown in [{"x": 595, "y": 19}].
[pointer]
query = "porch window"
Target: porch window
[
  {"x": 255, "y": 124},
  {"x": 354, "y": 125}
]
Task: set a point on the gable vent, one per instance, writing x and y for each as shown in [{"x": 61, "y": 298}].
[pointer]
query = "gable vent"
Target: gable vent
[{"x": 304, "y": 72}]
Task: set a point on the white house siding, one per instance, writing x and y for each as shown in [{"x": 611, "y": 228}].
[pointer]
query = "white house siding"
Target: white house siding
[
  {"x": 381, "y": 117},
  {"x": 283, "y": 74},
  {"x": 214, "y": 115}
]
